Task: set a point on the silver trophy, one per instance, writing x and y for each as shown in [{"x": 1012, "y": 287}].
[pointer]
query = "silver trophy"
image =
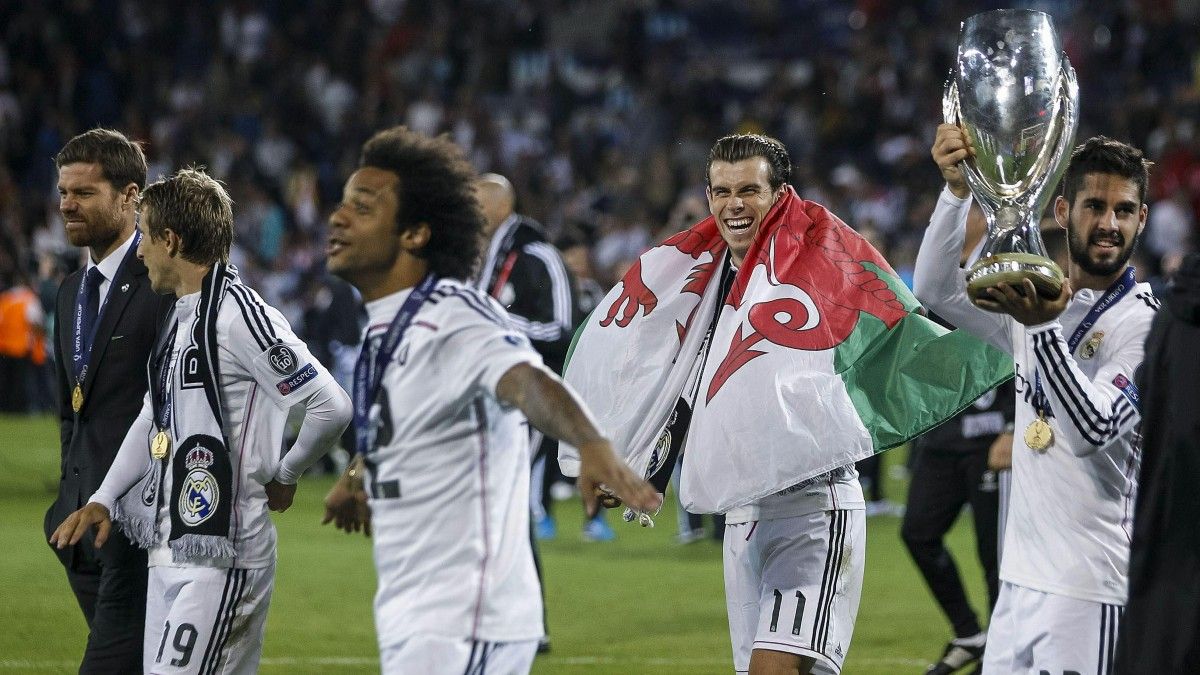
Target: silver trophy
[{"x": 1014, "y": 93}]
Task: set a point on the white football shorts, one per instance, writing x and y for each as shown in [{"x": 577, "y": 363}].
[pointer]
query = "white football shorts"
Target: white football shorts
[
  {"x": 205, "y": 619},
  {"x": 436, "y": 654},
  {"x": 793, "y": 585},
  {"x": 1036, "y": 632}
]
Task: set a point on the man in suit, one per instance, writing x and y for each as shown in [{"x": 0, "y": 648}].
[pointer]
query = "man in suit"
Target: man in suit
[{"x": 107, "y": 316}]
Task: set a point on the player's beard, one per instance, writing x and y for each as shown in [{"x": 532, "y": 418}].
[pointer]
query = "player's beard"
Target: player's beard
[
  {"x": 102, "y": 228},
  {"x": 1077, "y": 248}
]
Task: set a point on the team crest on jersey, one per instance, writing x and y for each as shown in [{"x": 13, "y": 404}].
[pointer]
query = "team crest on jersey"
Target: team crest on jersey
[
  {"x": 283, "y": 359},
  {"x": 199, "y": 496},
  {"x": 1091, "y": 346}
]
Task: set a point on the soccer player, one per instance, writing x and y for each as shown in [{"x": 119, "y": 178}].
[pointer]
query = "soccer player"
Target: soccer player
[
  {"x": 732, "y": 343},
  {"x": 442, "y": 392},
  {"x": 201, "y": 464},
  {"x": 101, "y": 389},
  {"x": 1074, "y": 462}
]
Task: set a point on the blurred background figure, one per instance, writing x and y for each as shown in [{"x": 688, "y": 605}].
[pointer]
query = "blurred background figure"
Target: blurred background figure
[
  {"x": 598, "y": 112},
  {"x": 1162, "y": 620}
]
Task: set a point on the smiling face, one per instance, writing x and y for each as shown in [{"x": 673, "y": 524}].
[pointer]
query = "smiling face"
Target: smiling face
[
  {"x": 364, "y": 239},
  {"x": 1103, "y": 226},
  {"x": 97, "y": 214},
  {"x": 739, "y": 196}
]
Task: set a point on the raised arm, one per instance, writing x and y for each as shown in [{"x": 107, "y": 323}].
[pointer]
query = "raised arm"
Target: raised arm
[{"x": 938, "y": 281}]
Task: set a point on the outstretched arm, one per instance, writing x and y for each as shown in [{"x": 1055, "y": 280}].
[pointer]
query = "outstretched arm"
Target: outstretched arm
[{"x": 554, "y": 409}]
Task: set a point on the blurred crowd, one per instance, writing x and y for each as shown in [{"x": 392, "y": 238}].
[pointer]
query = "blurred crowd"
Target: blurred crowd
[{"x": 601, "y": 112}]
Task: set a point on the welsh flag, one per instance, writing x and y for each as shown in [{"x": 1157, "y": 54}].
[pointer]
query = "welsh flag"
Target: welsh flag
[{"x": 818, "y": 359}]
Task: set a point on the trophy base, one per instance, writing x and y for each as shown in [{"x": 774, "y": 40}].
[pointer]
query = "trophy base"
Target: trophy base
[{"x": 1013, "y": 269}]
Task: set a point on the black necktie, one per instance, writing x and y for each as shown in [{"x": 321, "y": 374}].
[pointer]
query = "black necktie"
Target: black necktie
[{"x": 91, "y": 307}]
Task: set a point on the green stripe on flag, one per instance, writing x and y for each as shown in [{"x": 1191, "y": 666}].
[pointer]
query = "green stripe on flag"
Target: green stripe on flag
[{"x": 909, "y": 379}]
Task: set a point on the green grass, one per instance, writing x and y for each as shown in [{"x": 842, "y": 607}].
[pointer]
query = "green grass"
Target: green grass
[{"x": 641, "y": 604}]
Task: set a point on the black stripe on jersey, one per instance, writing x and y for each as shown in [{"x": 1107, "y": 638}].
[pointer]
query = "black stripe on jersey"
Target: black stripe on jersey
[
  {"x": 226, "y": 623},
  {"x": 251, "y": 322},
  {"x": 255, "y": 316},
  {"x": 1107, "y": 426},
  {"x": 477, "y": 663},
  {"x": 1150, "y": 300},
  {"x": 482, "y": 307},
  {"x": 1044, "y": 347},
  {"x": 833, "y": 563},
  {"x": 1102, "y": 653},
  {"x": 1104, "y": 425}
]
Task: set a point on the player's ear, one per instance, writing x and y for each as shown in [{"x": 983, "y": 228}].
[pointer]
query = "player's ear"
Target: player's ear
[
  {"x": 1062, "y": 211},
  {"x": 416, "y": 237}
]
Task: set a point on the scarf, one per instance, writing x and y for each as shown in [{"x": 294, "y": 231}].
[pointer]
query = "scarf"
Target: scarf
[
  {"x": 187, "y": 398},
  {"x": 818, "y": 358}
]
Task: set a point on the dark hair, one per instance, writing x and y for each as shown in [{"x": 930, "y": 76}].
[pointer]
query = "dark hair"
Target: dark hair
[
  {"x": 435, "y": 187},
  {"x": 737, "y": 147},
  {"x": 1100, "y": 154},
  {"x": 195, "y": 206},
  {"x": 121, "y": 160}
]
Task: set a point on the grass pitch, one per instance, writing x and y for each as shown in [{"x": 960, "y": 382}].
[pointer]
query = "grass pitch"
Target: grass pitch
[{"x": 640, "y": 604}]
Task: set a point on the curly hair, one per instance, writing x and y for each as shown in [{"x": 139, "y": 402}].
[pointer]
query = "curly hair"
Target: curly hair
[
  {"x": 738, "y": 147},
  {"x": 435, "y": 188},
  {"x": 1100, "y": 154}
]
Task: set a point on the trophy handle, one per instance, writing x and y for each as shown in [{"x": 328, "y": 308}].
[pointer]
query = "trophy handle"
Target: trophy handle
[
  {"x": 987, "y": 199},
  {"x": 1067, "y": 107}
]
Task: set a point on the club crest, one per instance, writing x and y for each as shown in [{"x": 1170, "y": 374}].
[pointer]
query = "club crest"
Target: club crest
[
  {"x": 199, "y": 495},
  {"x": 1089, "y": 348}
]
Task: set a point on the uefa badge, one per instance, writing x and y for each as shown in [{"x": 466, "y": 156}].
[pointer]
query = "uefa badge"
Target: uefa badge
[{"x": 199, "y": 495}]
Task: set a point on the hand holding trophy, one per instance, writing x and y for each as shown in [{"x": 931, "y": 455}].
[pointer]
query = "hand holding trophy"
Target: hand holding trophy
[{"x": 1014, "y": 94}]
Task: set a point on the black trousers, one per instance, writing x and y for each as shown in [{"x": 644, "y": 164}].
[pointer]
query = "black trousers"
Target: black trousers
[
  {"x": 942, "y": 484},
  {"x": 110, "y": 587}
]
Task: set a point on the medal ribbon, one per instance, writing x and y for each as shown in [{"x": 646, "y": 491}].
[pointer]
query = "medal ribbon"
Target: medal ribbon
[
  {"x": 367, "y": 376},
  {"x": 83, "y": 344},
  {"x": 1115, "y": 292},
  {"x": 160, "y": 396}
]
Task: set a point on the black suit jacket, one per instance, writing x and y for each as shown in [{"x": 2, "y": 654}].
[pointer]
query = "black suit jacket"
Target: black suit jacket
[{"x": 113, "y": 390}]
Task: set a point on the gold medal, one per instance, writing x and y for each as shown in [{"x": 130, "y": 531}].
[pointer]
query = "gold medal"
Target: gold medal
[
  {"x": 160, "y": 445},
  {"x": 77, "y": 398},
  {"x": 1039, "y": 435},
  {"x": 1090, "y": 347}
]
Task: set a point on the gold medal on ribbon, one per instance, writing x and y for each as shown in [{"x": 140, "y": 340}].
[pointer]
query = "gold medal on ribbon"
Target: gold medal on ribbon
[
  {"x": 160, "y": 445},
  {"x": 77, "y": 398},
  {"x": 1090, "y": 347},
  {"x": 1039, "y": 435}
]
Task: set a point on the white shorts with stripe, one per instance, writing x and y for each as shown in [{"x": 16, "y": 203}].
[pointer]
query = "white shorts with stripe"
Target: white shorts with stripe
[
  {"x": 793, "y": 585},
  {"x": 205, "y": 619},
  {"x": 1036, "y": 632},
  {"x": 437, "y": 655}
]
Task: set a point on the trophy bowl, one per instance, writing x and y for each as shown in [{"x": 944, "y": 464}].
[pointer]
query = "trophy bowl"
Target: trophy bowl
[{"x": 1014, "y": 93}]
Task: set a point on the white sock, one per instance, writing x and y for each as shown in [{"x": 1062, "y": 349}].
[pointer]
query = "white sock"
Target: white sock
[{"x": 977, "y": 640}]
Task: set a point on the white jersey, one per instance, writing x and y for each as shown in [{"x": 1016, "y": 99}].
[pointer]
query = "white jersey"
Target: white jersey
[
  {"x": 448, "y": 474},
  {"x": 255, "y": 397},
  {"x": 1068, "y": 522}
]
